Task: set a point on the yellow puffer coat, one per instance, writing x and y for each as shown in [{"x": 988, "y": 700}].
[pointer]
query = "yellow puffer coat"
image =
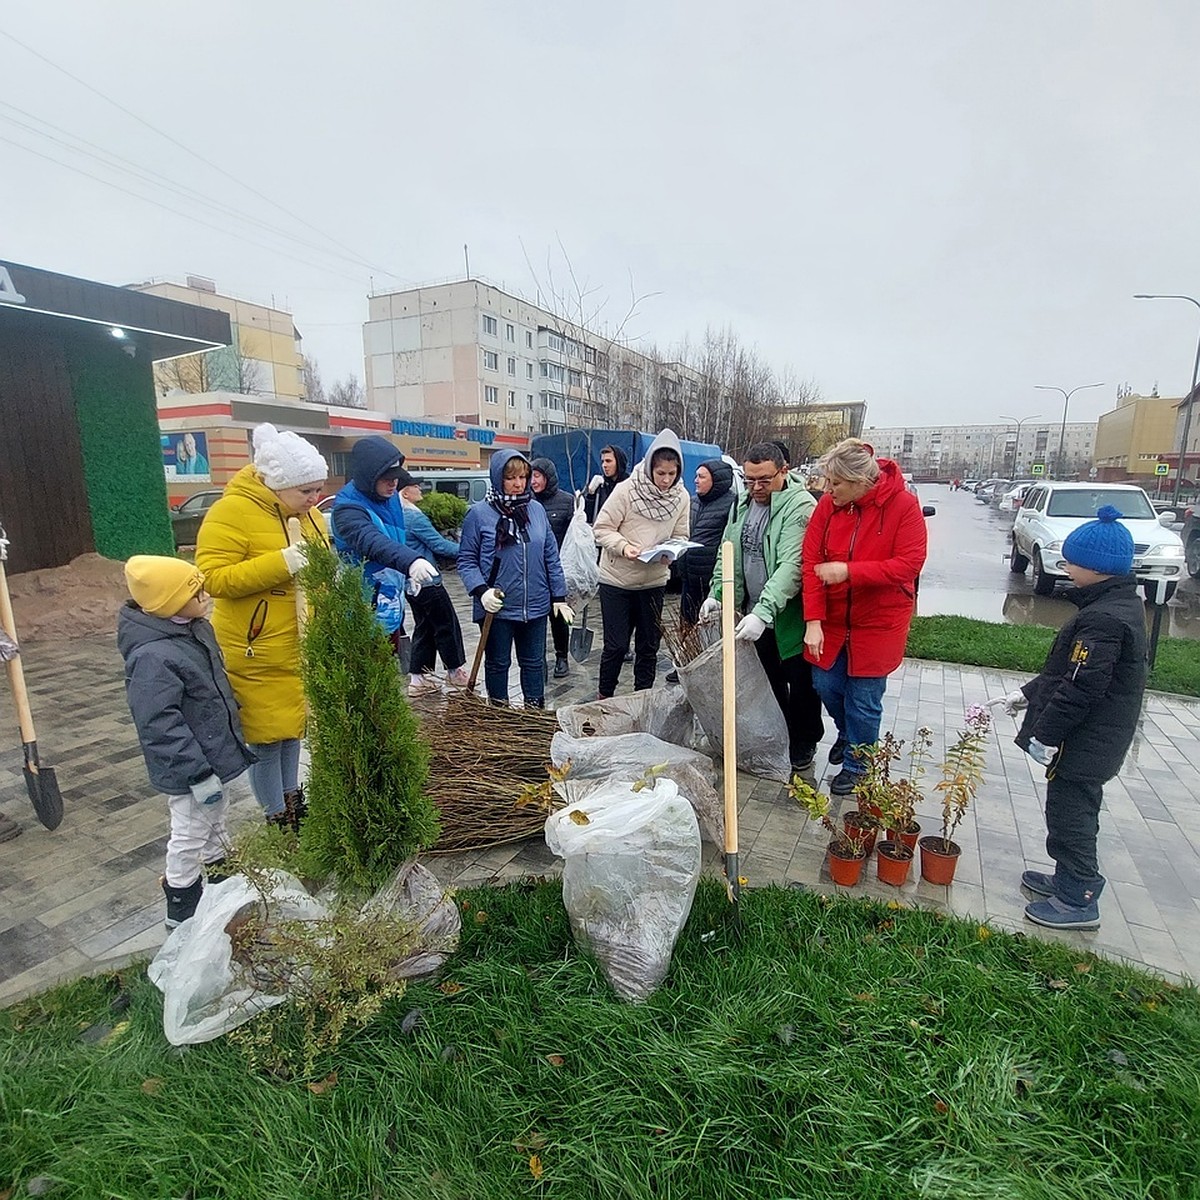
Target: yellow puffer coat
[{"x": 238, "y": 549}]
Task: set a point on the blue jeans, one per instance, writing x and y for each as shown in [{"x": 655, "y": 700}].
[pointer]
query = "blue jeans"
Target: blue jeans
[
  {"x": 854, "y": 702},
  {"x": 529, "y": 638},
  {"x": 277, "y": 771}
]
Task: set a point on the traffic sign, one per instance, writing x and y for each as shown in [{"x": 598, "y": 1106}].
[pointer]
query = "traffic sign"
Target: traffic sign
[
  {"x": 1038, "y": 469},
  {"x": 1092, "y": 472},
  {"x": 1162, "y": 469}
]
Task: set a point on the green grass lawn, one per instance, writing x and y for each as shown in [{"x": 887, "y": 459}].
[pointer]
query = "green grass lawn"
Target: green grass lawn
[
  {"x": 1024, "y": 647},
  {"x": 827, "y": 1049}
]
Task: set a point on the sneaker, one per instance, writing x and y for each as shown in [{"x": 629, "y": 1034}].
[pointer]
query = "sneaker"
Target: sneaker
[
  {"x": 837, "y": 752},
  {"x": 562, "y": 668},
  {"x": 805, "y": 757},
  {"x": 422, "y": 685},
  {"x": 1053, "y": 913},
  {"x": 459, "y": 677},
  {"x": 295, "y": 807},
  {"x": 1038, "y": 882},
  {"x": 844, "y": 783},
  {"x": 672, "y": 676}
]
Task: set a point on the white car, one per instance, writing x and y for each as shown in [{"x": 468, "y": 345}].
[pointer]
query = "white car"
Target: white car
[{"x": 1052, "y": 510}]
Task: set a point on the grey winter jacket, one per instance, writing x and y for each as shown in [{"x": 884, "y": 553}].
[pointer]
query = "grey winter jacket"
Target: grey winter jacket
[{"x": 182, "y": 705}]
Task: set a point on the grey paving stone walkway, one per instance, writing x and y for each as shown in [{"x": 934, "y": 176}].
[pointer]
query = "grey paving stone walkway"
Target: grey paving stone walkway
[{"x": 86, "y": 896}]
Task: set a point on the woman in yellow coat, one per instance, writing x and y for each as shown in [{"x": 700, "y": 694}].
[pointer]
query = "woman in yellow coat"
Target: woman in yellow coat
[{"x": 244, "y": 551}]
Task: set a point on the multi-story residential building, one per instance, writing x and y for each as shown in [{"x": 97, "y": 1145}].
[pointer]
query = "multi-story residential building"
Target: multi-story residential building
[
  {"x": 1134, "y": 437},
  {"x": 264, "y": 359},
  {"x": 1002, "y": 448}
]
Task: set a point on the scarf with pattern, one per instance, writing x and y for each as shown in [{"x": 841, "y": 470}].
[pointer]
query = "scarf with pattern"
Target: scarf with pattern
[
  {"x": 514, "y": 514},
  {"x": 648, "y": 500}
]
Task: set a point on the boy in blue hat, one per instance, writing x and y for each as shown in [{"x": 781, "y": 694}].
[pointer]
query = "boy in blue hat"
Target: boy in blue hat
[{"x": 1082, "y": 712}]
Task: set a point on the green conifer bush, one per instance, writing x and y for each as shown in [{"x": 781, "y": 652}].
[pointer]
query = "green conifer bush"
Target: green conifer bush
[{"x": 368, "y": 809}]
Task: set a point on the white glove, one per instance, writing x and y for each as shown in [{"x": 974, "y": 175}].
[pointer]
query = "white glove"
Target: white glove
[
  {"x": 564, "y": 612},
  {"x": 207, "y": 791},
  {"x": 1041, "y": 754},
  {"x": 492, "y": 600},
  {"x": 1012, "y": 703},
  {"x": 750, "y": 628},
  {"x": 710, "y": 610},
  {"x": 594, "y": 483},
  {"x": 294, "y": 557},
  {"x": 422, "y": 571}
]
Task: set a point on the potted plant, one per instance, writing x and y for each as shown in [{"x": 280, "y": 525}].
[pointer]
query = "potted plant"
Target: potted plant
[
  {"x": 847, "y": 848},
  {"x": 962, "y": 771}
]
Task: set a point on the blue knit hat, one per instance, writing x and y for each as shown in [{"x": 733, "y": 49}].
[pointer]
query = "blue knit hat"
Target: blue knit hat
[{"x": 1103, "y": 545}]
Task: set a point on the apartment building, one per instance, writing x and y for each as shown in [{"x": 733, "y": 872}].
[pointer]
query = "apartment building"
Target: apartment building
[
  {"x": 264, "y": 359},
  {"x": 470, "y": 352},
  {"x": 1003, "y": 448}
]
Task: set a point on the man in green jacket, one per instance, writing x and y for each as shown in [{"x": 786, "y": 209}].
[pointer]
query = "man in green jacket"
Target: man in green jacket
[{"x": 767, "y": 529}]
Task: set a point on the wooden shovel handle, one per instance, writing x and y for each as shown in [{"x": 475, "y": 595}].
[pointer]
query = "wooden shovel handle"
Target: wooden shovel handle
[
  {"x": 729, "y": 701},
  {"x": 16, "y": 674},
  {"x": 488, "y": 618}
]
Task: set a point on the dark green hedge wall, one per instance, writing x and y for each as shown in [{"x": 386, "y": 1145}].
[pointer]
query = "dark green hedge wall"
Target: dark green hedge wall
[{"x": 122, "y": 459}]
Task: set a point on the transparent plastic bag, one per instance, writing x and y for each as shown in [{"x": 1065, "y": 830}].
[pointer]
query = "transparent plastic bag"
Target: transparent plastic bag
[
  {"x": 623, "y": 756},
  {"x": 578, "y": 556},
  {"x": 414, "y": 895},
  {"x": 629, "y": 876},
  {"x": 661, "y": 711},
  {"x": 206, "y": 992},
  {"x": 762, "y": 736}
]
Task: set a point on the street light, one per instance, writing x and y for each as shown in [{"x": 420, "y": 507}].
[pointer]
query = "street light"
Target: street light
[
  {"x": 1191, "y": 396},
  {"x": 1062, "y": 433},
  {"x": 1017, "y": 447}
]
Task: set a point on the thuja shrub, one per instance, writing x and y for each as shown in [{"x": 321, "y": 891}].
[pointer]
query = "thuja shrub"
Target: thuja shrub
[
  {"x": 445, "y": 511},
  {"x": 368, "y": 810}
]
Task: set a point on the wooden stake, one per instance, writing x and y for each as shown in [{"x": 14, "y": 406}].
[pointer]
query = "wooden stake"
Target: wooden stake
[{"x": 729, "y": 714}]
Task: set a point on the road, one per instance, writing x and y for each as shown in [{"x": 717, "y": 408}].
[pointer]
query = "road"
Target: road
[{"x": 967, "y": 572}]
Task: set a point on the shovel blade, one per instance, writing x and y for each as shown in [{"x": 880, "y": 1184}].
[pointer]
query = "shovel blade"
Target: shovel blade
[
  {"x": 42, "y": 785},
  {"x": 581, "y": 644}
]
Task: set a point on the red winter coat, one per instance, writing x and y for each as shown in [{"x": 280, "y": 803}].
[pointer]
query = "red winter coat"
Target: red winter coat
[{"x": 882, "y": 539}]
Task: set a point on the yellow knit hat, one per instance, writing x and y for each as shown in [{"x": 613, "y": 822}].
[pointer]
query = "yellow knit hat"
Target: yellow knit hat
[{"x": 161, "y": 586}]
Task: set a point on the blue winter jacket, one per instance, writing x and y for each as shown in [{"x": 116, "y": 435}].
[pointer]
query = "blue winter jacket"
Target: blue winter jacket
[
  {"x": 423, "y": 538},
  {"x": 530, "y": 574}
]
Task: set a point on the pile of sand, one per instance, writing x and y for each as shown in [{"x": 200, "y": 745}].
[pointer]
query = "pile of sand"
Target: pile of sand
[{"x": 79, "y": 600}]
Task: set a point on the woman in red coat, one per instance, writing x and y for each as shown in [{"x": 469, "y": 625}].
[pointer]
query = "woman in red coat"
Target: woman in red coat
[{"x": 864, "y": 548}]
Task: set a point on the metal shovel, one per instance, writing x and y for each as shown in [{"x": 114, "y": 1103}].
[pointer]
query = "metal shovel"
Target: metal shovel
[
  {"x": 40, "y": 781},
  {"x": 581, "y": 638}
]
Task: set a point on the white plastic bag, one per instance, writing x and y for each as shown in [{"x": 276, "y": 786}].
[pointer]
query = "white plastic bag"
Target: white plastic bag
[
  {"x": 578, "y": 555},
  {"x": 622, "y": 756},
  {"x": 762, "y": 736},
  {"x": 630, "y": 869},
  {"x": 414, "y": 895},
  {"x": 661, "y": 711},
  {"x": 205, "y": 992}
]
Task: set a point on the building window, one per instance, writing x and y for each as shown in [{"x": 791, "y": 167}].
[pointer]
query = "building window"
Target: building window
[
  {"x": 528, "y": 340},
  {"x": 575, "y": 378},
  {"x": 589, "y": 354},
  {"x": 512, "y": 366},
  {"x": 529, "y": 370},
  {"x": 493, "y": 424},
  {"x": 490, "y": 326},
  {"x": 511, "y": 425},
  {"x": 491, "y": 360},
  {"x": 512, "y": 399},
  {"x": 491, "y": 394},
  {"x": 557, "y": 342},
  {"x": 552, "y": 371},
  {"x": 529, "y": 400},
  {"x": 510, "y": 333}
]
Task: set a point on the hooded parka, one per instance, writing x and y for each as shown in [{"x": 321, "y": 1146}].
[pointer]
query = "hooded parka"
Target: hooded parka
[
  {"x": 882, "y": 539},
  {"x": 239, "y": 550},
  {"x": 559, "y": 505},
  {"x": 710, "y": 515}
]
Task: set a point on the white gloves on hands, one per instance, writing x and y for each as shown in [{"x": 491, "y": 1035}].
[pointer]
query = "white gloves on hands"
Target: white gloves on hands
[
  {"x": 564, "y": 612},
  {"x": 294, "y": 557},
  {"x": 492, "y": 600},
  {"x": 750, "y": 628},
  {"x": 594, "y": 483},
  {"x": 1041, "y": 754},
  {"x": 710, "y": 610},
  {"x": 422, "y": 571},
  {"x": 1012, "y": 703},
  {"x": 207, "y": 791}
]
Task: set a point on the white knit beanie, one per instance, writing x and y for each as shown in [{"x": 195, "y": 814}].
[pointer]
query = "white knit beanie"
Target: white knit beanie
[{"x": 286, "y": 460}]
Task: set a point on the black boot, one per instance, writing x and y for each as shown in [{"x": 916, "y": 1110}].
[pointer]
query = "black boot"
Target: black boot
[
  {"x": 279, "y": 820},
  {"x": 535, "y": 703},
  {"x": 181, "y": 902},
  {"x": 562, "y": 668},
  {"x": 295, "y": 807}
]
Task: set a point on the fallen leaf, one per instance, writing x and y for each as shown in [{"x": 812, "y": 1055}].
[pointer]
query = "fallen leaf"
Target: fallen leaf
[
  {"x": 579, "y": 817},
  {"x": 321, "y": 1086},
  {"x": 555, "y": 1060},
  {"x": 914, "y": 1025},
  {"x": 117, "y": 1031},
  {"x": 449, "y": 988},
  {"x": 743, "y": 881},
  {"x": 895, "y": 904},
  {"x": 1083, "y": 968},
  {"x": 6, "y": 1194},
  {"x": 466, "y": 906},
  {"x": 865, "y": 997},
  {"x": 983, "y": 933},
  {"x": 1151, "y": 1006},
  {"x": 535, "y": 1166},
  {"x": 152, "y": 1086},
  {"x": 1057, "y": 985},
  {"x": 1023, "y": 1080},
  {"x": 941, "y": 1107},
  {"x": 657, "y": 1129},
  {"x": 532, "y": 1141},
  {"x": 481, "y": 917},
  {"x": 411, "y": 1020}
]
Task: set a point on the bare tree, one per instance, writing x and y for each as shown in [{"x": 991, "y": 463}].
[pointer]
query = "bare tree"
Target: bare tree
[
  {"x": 227, "y": 369},
  {"x": 347, "y": 393},
  {"x": 314, "y": 391}
]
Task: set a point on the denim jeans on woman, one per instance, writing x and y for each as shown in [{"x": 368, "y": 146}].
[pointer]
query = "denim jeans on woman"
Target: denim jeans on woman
[
  {"x": 529, "y": 640},
  {"x": 854, "y": 702},
  {"x": 277, "y": 771}
]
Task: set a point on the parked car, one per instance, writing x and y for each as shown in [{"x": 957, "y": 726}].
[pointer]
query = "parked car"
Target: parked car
[
  {"x": 186, "y": 516},
  {"x": 1011, "y": 500},
  {"x": 1190, "y": 535},
  {"x": 1050, "y": 511},
  {"x": 985, "y": 491}
]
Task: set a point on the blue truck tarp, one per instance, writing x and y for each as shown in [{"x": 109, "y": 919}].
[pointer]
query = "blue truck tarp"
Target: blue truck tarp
[{"x": 576, "y": 454}]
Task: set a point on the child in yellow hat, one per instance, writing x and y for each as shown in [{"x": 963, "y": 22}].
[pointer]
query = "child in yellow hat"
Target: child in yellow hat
[{"x": 185, "y": 715}]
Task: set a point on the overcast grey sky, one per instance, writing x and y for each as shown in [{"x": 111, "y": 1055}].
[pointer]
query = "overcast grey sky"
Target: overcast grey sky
[{"x": 924, "y": 204}]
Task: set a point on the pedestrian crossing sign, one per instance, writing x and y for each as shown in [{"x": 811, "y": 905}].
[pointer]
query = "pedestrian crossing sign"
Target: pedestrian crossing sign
[
  {"x": 1038, "y": 469},
  {"x": 1161, "y": 469}
]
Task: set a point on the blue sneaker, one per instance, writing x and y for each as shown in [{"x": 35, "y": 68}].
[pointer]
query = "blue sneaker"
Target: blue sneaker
[
  {"x": 1038, "y": 882},
  {"x": 1054, "y": 914}
]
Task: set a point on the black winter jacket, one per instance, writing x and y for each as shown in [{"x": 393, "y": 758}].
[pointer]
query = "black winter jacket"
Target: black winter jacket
[
  {"x": 1088, "y": 697},
  {"x": 559, "y": 505},
  {"x": 710, "y": 515},
  {"x": 183, "y": 708},
  {"x": 595, "y": 502}
]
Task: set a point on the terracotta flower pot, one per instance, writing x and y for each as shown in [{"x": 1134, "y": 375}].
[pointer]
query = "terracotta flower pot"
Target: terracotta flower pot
[
  {"x": 872, "y": 810},
  {"x": 845, "y": 869},
  {"x": 907, "y": 837},
  {"x": 861, "y": 825},
  {"x": 893, "y": 864},
  {"x": 938, "y": 860}
]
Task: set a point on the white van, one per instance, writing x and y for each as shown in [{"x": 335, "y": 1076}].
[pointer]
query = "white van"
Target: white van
[{"x": 466, "y": 485}]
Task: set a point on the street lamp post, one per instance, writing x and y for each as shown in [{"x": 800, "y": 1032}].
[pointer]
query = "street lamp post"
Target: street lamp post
[
  {"x": 1017, "y": 447},
  {"x": 1191, "y": 397},
  {"x": 1062, "y": 433}
]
